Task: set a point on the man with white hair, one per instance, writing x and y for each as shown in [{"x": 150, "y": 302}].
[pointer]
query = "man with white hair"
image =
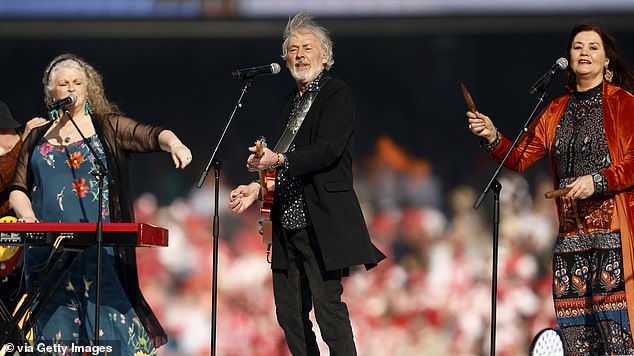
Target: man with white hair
[{"x": 318, "y": 227}]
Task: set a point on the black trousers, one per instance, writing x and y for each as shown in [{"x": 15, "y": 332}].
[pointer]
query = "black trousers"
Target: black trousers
[{"x": 304, "y": 285}]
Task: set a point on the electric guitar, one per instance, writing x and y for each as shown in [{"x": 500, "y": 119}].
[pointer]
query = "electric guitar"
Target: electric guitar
[{"x": 266, "y": 178}]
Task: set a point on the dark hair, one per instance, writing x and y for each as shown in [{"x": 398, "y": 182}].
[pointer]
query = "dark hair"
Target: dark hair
[{"x": 622, "y": 74}]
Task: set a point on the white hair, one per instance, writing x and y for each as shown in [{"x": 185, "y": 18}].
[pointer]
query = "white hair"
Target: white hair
[{"x": 303, "y": 23}]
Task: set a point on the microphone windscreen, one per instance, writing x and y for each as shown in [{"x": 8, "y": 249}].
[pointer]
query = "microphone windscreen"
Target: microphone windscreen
[
  {"x": 562, "y": 63},
  {"x": 276, "y": 68}
]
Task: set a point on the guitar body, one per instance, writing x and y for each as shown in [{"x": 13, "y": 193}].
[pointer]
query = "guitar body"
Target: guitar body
[
  {"x": 267, "y": 179},
  {"x": 266, "y": 226},
  {"x": 9, "y": 255}
]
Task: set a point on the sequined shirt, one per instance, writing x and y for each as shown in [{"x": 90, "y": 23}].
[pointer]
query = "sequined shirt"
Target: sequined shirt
[{"x": 289, "y": 191}]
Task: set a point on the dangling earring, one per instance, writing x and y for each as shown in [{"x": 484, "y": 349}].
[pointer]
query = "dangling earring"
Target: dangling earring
[
  {"x": 608, "y": 74},
  {"x": 54, "y": 115},
  {"x": 87, "y": 108}
]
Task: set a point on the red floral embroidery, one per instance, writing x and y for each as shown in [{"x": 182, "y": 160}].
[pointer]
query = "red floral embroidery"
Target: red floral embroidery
[
  {"x": 79, "y": 185},
  {"x": 45, "y": 149},
  {"x": 75, "y": 160}
]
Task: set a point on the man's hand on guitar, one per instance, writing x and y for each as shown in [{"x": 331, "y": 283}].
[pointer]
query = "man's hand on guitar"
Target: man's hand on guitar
[
  {"x": 269, "y": 159},
  {"x": 243, "y": 196}
]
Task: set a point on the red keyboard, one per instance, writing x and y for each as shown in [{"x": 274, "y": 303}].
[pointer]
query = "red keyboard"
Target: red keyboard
[{"x": 83, "y": 234}]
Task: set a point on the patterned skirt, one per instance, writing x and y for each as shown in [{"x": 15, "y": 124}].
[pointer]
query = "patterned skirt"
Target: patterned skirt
[{"x": 589, "y": 294}]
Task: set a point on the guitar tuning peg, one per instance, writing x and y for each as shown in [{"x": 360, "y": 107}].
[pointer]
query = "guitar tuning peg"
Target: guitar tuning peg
[{"x": 262, "y": 141}]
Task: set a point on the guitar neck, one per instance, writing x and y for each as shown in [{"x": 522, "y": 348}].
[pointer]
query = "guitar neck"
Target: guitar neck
[
  {"x": 259, "y": 145},
  {"x": 266, "y": 178}
]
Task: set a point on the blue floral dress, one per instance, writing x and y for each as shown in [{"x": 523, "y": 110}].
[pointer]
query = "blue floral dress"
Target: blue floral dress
[{"x": 65, "y": 190}]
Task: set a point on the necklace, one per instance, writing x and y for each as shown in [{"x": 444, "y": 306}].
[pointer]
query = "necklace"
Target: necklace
[{"x": 68, "y": 137}]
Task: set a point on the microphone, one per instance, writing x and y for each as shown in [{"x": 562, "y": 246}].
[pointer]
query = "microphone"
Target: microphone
[
  {"x": 542, "y": 83},
  {"x": 249, "y": 73},
  {"x": 71, "y": 99}
]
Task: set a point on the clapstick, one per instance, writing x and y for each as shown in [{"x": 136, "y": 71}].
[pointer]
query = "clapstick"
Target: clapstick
[
  {"x": 556, "y": 193},
  {"x": 467, "y": 98}
]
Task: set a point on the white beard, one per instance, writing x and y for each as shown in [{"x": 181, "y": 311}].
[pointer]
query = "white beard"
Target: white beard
[{"x": 304, "y": 77}]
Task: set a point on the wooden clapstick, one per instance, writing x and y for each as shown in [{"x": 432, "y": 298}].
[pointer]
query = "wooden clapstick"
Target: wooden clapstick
[
  {"x": 467, "y": 98},
  {"x": 556, "y": 193}
]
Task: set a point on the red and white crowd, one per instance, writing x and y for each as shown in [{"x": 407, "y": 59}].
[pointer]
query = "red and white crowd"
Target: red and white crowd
[{"x": 432, "y": 296}]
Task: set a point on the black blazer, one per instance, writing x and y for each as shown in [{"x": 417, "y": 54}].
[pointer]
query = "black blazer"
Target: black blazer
[{"x": 323, "y": 157}]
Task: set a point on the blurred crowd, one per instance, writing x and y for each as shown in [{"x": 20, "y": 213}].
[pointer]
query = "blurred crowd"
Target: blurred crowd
[{"x": 432, "y": 296}]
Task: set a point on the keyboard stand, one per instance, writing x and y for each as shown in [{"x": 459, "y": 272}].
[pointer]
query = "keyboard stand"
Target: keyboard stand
[
  {"x": 10, "y": 331},
  {"x": 5, "y": 316}
]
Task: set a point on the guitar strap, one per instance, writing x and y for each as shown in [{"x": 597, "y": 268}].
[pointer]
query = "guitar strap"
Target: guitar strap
[
  {"x": 282, "y": 145},
  {"x": 295, "y": 122}
]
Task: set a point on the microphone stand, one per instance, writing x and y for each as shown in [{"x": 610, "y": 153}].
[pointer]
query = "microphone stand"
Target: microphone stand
[
  {"x": 217, "y": 165},
  {"x": 100, "y": 175},
  {"x": 495, "y": 185}
]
